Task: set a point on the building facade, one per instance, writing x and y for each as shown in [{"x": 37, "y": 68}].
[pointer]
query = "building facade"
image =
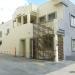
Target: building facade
[{"x": 41, "y": 32}]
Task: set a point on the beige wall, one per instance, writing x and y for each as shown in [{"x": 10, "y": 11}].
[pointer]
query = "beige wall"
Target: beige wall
[
  {"x": 12, "y": 41},
  {"x": 49, "y": 7},
  {"x": 24, "y": 10},
  {"x": 25, "y": 32}
]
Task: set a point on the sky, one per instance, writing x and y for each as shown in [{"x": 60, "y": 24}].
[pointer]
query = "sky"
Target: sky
[{"x": 8, "y": 7}]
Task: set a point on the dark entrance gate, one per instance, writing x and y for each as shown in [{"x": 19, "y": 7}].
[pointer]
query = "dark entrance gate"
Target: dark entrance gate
[
  {"x": 60, "y": 47},
  {"x": 43, "y": 45}
]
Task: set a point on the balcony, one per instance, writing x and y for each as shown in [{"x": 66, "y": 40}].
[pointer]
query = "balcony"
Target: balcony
[
  {"x": 49, "y": 25},
  {"x": 25, "y": 19},
  {"x": 44, "y": 28}
]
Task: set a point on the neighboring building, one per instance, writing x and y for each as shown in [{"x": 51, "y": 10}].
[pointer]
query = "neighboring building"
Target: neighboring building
[
  {"x": 43, "y": 32},
  {"x": 5, "y": 29}
]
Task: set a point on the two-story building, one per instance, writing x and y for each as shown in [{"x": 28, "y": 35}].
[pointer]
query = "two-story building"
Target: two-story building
[{"x": 42, "y": 32}]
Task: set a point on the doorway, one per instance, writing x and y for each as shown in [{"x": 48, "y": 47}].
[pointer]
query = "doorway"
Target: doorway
[
  {"x": 60, "y": 47},
  {"x": 23, "y": 48},
  {"x": 43, "y": 48}
]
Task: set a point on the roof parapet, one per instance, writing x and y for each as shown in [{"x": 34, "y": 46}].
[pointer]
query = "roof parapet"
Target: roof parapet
[{"x": 64, "y": 2}]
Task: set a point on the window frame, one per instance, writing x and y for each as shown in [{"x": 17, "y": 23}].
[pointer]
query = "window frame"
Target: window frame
[
  {"x": 0, "y": 43},
  {"x": 44, "y": 16},
  {"x": 19, "y": 19},
  {"x": 72, "y": 24},
  {"x": 7, "y": 31},
  {"x": 72, "y": 45},
  {"x": 51, "y": 14},
  {"x": 1, "y": 34}
]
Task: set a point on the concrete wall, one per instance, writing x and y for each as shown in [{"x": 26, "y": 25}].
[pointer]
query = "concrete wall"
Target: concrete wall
[
  {"x": 69, "y": 31},
  {"x": 63, "y": 11},
  {"x": 49, "y": 7},
  {"x": 24, "y": 10},
  {"x": 12, "y": 40}
]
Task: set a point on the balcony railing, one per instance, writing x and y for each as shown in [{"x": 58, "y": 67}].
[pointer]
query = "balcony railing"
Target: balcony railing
[{"x": 49, "y": 25}]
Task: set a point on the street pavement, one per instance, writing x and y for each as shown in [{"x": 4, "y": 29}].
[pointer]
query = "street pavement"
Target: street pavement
[
  {"x": 69, "y": 70},
  {"x": 10, "y": 65}
]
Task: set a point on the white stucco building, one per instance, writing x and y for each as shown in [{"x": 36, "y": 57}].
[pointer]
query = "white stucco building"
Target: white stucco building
[{"x": 43, "y": 32}]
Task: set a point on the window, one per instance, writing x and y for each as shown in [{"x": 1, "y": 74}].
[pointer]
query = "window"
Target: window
[
  {"x": 0, "y": 42},
  {"x": 24, "y": 19},
  {"x": 33, "y": 19},
  {"x": 73, "y": 44},
  {"x": 0, "y": 33},
  {"x": 19, "y": 19},
  {"x": 7, "y": 32},
  {"x": 72, "y": 20},
  {"x": 51, "y": 16},
  {"x": 42, "y": 19},
  {"x": 14, "y": 20}
]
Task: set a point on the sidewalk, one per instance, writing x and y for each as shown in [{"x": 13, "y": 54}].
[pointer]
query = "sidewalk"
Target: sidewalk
[{"x": 69, "y": 70}]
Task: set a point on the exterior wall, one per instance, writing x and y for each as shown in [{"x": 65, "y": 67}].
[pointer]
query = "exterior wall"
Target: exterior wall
[
  {"x": 5, "y": 26},
  {"x": 11, "y": 42},
  {"x": 24, "y": 10},
  {"x": 65, "y": 24},
  {"x": 49, "y": 7},
  {"x": 63, "y": 21}
]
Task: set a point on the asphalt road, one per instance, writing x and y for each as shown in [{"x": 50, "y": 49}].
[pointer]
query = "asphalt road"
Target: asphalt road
[{"x": 20, "y": 66}]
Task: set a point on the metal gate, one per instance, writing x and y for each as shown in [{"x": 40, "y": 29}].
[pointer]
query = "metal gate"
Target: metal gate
[
  {"x": 60, "y": 47},
  {"x": 43, "y": 47}
]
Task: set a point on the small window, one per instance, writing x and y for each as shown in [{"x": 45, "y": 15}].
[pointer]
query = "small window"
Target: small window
[
  {"x": 0, "y": 33},
  {"x": 51, "y": 16},
  {"x": 24, "y": 19},
  {"x": 73, "y": 44},
  {"x": 7, "y": 32},
  {"x": 33, "y": 19},
  {"x": 42, "y": 19},
  {"x": 19, "y": 19},
  {"x": 72, "y": 20},
  {"x": 0, "y": 42},
  {"x": 14, "y": 20}
]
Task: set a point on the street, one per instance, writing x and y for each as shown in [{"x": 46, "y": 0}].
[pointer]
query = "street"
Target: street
[{"x": 20, "y": 66}]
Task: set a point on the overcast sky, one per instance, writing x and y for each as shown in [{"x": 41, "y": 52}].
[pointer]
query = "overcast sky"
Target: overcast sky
[{"x": 7, "y": 7}]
